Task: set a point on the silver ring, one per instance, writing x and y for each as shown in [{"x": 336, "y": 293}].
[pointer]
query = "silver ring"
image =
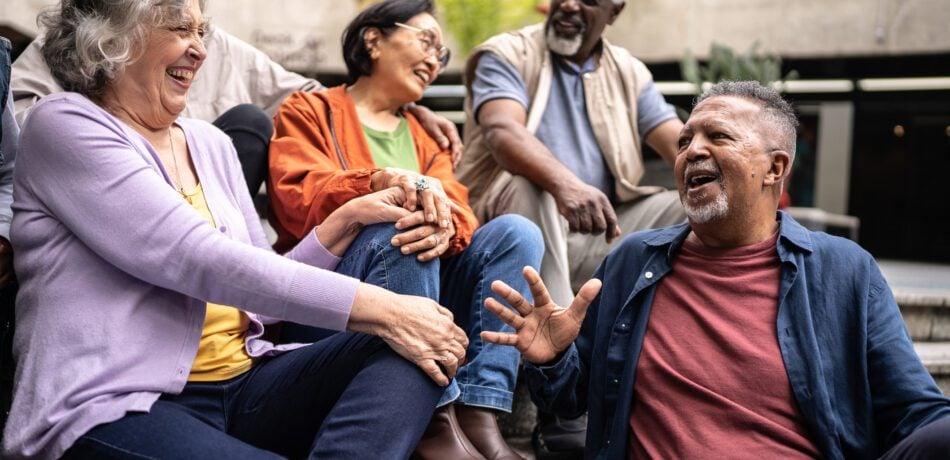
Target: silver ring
[{"x": 422, "y": 184}]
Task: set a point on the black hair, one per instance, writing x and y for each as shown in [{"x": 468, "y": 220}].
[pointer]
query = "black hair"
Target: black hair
[{"x": 383, "y": 16}]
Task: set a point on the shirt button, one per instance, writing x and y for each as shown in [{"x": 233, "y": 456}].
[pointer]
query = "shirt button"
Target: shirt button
[
  {"x": 616, "y": 382},
  {"x": 648, "y": 275}
]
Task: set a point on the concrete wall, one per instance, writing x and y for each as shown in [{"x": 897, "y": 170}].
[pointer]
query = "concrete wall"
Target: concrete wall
[
  {"x": 662, "y": 29},
  {"x": 304, "y": 34}
]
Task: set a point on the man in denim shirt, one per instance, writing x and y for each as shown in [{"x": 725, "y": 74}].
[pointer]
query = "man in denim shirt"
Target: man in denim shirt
[{"x": 739, "y": 334}]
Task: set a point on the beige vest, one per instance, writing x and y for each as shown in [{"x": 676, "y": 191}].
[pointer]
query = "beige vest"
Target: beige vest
[{"x": 610, "y": 91}]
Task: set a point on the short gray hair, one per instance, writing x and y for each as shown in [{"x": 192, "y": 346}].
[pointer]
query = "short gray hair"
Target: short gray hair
[
  {"x": 777, "y": 110},
  {"x": 88, "y": 42}
]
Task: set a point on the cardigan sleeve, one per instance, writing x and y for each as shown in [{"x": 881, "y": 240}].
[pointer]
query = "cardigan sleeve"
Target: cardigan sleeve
[{"x": 105, "y": 187}]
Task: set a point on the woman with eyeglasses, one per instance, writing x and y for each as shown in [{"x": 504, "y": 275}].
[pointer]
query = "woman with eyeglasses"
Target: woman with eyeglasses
[{"x": 346, "y": 142}]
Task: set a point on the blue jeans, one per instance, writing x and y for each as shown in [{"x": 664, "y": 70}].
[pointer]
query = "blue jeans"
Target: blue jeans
[
  {"x": 320, "y": 401},
  {"x": 498, "y": 251}
]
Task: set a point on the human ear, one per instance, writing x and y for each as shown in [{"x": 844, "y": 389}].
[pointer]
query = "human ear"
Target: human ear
[
  {"x": 779, "y": 167},
  {"x": 371, "y": 38}
]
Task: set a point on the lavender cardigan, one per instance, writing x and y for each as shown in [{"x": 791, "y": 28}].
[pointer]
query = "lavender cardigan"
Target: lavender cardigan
[{"x": 115, "y": 269}]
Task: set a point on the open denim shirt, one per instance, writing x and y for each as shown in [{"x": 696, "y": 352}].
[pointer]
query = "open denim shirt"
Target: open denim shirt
[{"x": 859, "y": 385}]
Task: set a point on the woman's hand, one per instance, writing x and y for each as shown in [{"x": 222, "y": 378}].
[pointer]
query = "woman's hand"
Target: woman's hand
[
  {"x": 343, "y": 225},
  {"x": 417, "y": 328},
  {"x": 429, "y": 240},
  {"x": 421, "y": 191}
]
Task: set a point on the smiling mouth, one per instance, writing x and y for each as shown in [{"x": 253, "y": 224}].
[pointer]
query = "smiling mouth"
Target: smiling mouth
[
  {"x": 700, "y": 180},
  {"x": 422, "y": 76},
  {"x": 184, "y": 76}
]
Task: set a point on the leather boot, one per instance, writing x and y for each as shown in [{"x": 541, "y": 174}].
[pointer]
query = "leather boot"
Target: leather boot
[
  {"x": 444, "y": 439},
  {"x": 481, "y": 428}
]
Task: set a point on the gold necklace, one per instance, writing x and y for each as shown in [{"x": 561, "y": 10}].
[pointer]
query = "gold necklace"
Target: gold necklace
[{"x": 181, "y": 188}]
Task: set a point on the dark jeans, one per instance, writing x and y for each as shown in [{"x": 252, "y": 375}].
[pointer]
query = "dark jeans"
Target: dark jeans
[
  {"x": 930, "y": 442},
  {"x": 349, "y": 396},
  {"x": 498, "y": 251},
  {"x": 250, "y": 129}
]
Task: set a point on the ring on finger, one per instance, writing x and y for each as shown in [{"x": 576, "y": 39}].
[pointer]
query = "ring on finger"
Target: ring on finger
[{"x": 421, "y": 184}]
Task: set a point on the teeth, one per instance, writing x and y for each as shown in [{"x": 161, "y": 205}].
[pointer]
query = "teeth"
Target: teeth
[{"x": 180, "y": 74}]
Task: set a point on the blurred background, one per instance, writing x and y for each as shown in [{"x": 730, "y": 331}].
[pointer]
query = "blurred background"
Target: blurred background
[{"x": 870, "y": 78}]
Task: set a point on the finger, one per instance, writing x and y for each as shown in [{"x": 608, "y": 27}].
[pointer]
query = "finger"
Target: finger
[
  {"x": 450, "y": 365},
  {"x": 500, "y": 338},
  {"x": 444, "y": 212},
  {"x": 436, "y": 251},
  {"x": 445, "y": 312},
  {"x": 432, "y": 369},
  {"x": 427, "y": 197},
  {"x": 418, "y": 233},
  {"x": 598, "y": 222},
  {"x": 613, "y": 230},
  {"x": 538, "y": 290},
  {"x": 512, "y": 297},
  {"x": 584, "y": 222},
  {"x": 420, "y": 245},
  {"x": 455, "y": 141},
  {"x": 507, "y": 316},
  {"x": 411, "y": 220},
  {"x": 408, "y": 186},
  {"x": 613, "y": 234},
  {"x": 584, "y": 297}
]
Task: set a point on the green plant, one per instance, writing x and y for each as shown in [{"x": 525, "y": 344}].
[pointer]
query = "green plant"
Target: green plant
[
  {"x": 473, "y": 21},
  {"x": 725, "y": 64}
]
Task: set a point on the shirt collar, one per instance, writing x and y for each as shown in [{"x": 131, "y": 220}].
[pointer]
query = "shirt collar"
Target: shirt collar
[{"x": 791, "y": 235}]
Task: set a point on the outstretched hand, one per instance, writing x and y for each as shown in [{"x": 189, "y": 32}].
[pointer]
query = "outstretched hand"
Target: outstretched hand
[{"x": 542, "y": 330}]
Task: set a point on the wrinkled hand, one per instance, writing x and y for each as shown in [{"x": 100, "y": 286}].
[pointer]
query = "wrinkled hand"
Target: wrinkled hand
[
  {"x": 383, "y": 206},
  {"x": 6, "y": 262},
  {"x": 421, "y": 236},
  {"x": 542, "y": 330},
  {"x": 423, "y": 332},
  {"x": 442, "y": 130},
  {"x": 433, "y": 200},
  {"x": 587, "y": 210}
]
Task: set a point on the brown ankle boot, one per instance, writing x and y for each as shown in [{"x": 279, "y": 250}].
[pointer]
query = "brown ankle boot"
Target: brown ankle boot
[
  {"x": 481, "y": 428},
  {"x": 444, "y": 439}
]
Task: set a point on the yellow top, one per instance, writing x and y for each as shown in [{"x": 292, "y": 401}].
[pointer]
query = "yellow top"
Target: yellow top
[{"x": 221, "y": 352}]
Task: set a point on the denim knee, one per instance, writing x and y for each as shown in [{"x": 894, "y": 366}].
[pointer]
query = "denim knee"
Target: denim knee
[{"x": 517, "y": 234}]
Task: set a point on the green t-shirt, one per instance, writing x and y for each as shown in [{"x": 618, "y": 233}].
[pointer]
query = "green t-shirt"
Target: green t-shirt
[{"x": 392, "y": 149}]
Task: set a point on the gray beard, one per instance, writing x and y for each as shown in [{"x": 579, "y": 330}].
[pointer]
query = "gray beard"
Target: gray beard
[
  {"x": 563, "y": 46},
  {"x": 709, "y": 211}
]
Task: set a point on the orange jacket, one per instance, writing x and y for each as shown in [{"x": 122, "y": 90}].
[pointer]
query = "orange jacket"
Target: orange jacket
[{"x": 319, "y": 159}]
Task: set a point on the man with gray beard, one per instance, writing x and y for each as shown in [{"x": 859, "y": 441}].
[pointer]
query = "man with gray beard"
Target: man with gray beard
[
  {"x": 555, "y": 118},
  {"x": 739, "y": 334}
]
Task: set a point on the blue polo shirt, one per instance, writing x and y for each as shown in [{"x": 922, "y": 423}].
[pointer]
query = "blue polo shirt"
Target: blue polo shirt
[{"x": 565, "y": 129}]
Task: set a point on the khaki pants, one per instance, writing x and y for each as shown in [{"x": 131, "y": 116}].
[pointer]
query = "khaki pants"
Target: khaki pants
[{"x": 571, "y": 258}]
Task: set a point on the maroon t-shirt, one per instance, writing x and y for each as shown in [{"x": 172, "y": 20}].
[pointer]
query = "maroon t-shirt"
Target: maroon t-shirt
[{"x": 710, "y": 379}]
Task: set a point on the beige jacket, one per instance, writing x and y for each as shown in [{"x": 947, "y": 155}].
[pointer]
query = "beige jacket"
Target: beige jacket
[{"x": 611, "y": 93}]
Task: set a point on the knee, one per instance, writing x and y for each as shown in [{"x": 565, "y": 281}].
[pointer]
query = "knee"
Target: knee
[
  {"x": 379, "y": 237},
  {"x": 517, "y": 234}
]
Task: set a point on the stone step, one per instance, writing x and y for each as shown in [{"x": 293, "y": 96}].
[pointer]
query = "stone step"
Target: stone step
[
  {"x": 923, "y": 292},
  {"x": 936, "y": 357}
]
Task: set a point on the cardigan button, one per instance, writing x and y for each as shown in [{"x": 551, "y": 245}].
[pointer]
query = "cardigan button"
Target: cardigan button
[{"x": 648, "y": 275}]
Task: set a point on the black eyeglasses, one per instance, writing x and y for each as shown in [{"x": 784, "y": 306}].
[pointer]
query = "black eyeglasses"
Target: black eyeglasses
[{"x": 427, "y": 40}]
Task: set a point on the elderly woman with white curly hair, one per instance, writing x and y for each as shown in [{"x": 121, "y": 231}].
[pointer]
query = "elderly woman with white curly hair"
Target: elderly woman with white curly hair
[{"x": 146, "y": 279}]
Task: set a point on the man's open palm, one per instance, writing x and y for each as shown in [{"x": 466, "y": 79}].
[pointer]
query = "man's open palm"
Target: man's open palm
[{"x": 544, "y": 329}]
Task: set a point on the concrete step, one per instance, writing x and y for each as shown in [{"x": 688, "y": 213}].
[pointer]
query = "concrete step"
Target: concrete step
[
  {"x": 923, "y": 292},
  {"x": 936, "y": 357}
]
